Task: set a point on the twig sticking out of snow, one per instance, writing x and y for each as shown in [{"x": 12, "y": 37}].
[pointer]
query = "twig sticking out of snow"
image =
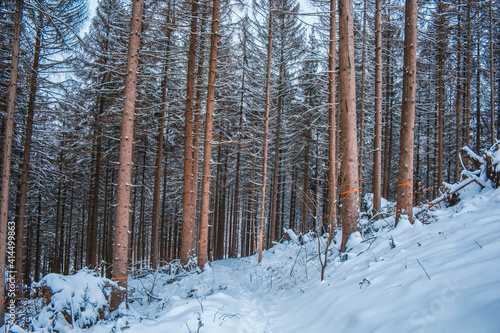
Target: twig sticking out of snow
[
  {"x": 362, "y": 283},
  {"x": 424, "y": 269}
]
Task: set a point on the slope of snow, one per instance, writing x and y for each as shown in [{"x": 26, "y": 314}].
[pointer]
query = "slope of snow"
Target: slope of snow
[{"x": 438, "y": 277}]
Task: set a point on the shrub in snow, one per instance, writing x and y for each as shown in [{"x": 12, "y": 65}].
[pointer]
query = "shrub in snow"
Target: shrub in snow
[{"x": 72, "y": 301}]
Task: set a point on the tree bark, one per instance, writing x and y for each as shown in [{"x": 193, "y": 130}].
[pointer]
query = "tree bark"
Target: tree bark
[
  {"x": 23, "y": 192},
  {"x": 7, "y": 152},
  {"x": 141, "y": 253},
  {"x": 120, "y": 250},
  {"x": 197, "y": 112},
  {"x": 332, "y": 145},
  {"x": 469, "y": 75},
  {"x": 377, "y": 141},
  {"x": 363, "y": 103},
  {"x": 441, "y": 46},
  {"x": 305, "y": 186},
  {"x": 266, "y": 132},
  {"x": 69, "y": 233},
  {"x": 234, "y": 243},
  {"x": 276, "y": 167},
  {"x": 159, "y": 161},
  {"x": 458, "y": 101},
  {"x": 37, "y": 249},
  {"x": 92, "y": 241},
  {"x": 478, "y": 94},
  {"x": 404, "y": 204},
  {"x": 207, "y": 151},
  {"x": 188, "y": 218},
  {"x": 348, "y": 135},
  {"x": 492, "y": 81}
]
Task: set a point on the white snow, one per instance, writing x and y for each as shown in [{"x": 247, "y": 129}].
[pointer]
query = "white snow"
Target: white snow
[
  {"x": 437, "y": 277},
  {"x": 81, "y": 297}
]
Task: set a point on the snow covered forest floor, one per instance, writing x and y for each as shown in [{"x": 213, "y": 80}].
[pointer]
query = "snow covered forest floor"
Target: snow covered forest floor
[{"x": 438, "y": 277}]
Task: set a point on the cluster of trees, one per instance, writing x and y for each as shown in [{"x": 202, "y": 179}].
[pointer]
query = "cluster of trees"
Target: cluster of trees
[{"x": 202, "y": 129}]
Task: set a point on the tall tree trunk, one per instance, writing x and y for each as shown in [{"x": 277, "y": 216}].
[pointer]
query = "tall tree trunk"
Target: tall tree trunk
[
  {"x": 478, "y": 94},
  {"x": 387, "y": 135},
  {"x": 188, "y": 218},
  {"x": 348, "y": 135},
  {"x": 57, "y": 234},
  {"x": 293, "y": 198},
  {"x": 108, "y": 219},
  {"x": 363, "y": 103},
  {"x": 159, "y": 161},
  {"x": 266, "y": 131},
  {"x": 69, "y": 233},
  {"x": 23, "y": 192},
  {"x": 82, "y": 236},
  {"x": 92, "y": 241},
  {"x": 318, "y": 189},
  {"x": 37, "y": 247},
  {"x": 165, "y": 244},
  {"x": 221, "y": 227},
  {"x": 234, "y": 243},
  {"x": 441, "y": 46},
  {"x": 198, "y": 111},
  {"x": 377, "y": 141},
  {"x": 141, "y": 253},
  {"x": 458, "y": 101},
  {"x": 60, "y": 244},
  {"x": 305, "y": 188},
  {"x": 253, "y": 202},
  {"x": 120, "y": 250},
  {"x": 207, "y": 147},
  {"x": 29, "y": 249},
  {"x": 332, "y": 145},
  {"x": 7, "y": 152},
  {"x": 469, "y": 75},
  {"x": 492, "y": 81},
  {"x": 214, "y": 218},
  {"x": 276, "y": 167},
  {"x": 405, "y": 173}
]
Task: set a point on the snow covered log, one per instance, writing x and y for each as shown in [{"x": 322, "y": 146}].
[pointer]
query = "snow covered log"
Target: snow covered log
[{"x": 487, "y": 165}]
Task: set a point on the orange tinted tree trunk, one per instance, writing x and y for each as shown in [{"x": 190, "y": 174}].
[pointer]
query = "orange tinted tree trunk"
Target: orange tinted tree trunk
[
  {"x": 188, "y": 241},
  {"x": 405, "y": 173},
  {"x": 348, "y": 135},
  {"x": 207, "y": 152},
  {"x": 125, "y": 162},
  {"x": 363, "y": 103}
]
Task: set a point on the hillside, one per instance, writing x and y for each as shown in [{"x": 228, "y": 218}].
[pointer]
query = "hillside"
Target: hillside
[{"x": 443, "y": 276}]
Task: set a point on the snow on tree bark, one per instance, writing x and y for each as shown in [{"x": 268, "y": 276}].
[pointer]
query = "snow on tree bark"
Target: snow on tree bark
[{"x": 120, "y": 249}]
